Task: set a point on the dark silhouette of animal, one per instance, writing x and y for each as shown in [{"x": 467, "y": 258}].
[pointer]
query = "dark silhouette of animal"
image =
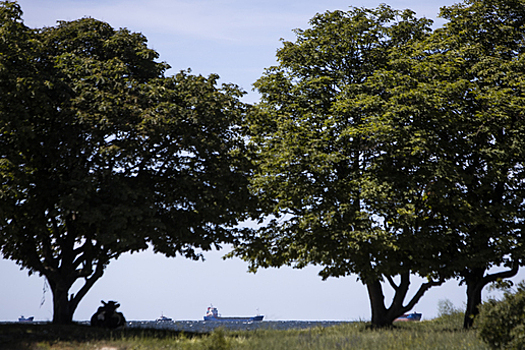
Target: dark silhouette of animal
[{"x": 107, "y": 316}]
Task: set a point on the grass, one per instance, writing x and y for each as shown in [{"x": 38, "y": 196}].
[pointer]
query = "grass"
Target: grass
[
  {"x": 20, "y": 336},
  {"x": 442, "y": 333}
]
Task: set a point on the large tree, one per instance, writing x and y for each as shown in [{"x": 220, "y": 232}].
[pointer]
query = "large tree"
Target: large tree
[
  {"x": 101, "y": 154},
  {"x": 457, "y": 100},
  {"x": 320, "y": 146},
  {"x": 484, "y": 42}
]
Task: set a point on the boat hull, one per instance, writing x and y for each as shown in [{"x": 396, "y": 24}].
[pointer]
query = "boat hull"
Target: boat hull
[
  {"x": 164, "y": 319},
  {"x": 409, "y": 317},
  {"x": 234, "y": 319}
]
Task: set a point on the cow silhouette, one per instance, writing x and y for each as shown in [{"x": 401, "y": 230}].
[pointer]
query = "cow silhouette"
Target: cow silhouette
[{"x": 107, "y": 316}]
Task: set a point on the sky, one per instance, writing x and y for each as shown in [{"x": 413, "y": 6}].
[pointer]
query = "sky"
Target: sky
[{"x": 236, "y": 39}]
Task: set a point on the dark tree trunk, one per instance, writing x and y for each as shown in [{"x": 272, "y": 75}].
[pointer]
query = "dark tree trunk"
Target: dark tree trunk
[
  {"x": 64, "y": 303},
  {"x": 383, "y": 316},
  {"x": 63, "y": 307},
  {"x": 377, "y": 305},
  {"x": 476, "y": 281},
  {"x": 474, "y": 290}
]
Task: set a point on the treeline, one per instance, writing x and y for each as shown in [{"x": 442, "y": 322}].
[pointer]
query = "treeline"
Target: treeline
[{"x": 380, "y": 148}]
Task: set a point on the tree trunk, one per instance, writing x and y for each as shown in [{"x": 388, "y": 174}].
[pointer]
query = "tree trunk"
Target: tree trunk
[
  {"x": 377, "y": 304},
  {"x": 64, "y": 303},
  {"x": 476, "y": 281},
  {"x": 383, "y": 316},
  {"x": 474, "y": 290},
  {"x": 63, "y": 307}
]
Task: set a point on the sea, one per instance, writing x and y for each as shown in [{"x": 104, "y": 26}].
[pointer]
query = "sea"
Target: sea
[{"x": 208, "y": 326}]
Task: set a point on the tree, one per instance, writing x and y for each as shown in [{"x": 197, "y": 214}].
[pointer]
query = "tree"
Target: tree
[
  {"x": 460, "y": 96},
  {"x": 101, "y": 154},
  {"x": 320, "y": 147},
  {"x": 489, "y": 40}
]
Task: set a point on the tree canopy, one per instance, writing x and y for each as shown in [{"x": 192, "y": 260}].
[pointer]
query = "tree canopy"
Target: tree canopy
[
  {"x": 457, "y": 98},
  {"x": 101, "y": 154},
  {"x": 476, "y": 62},
  {"x": 321, "y": 138},
  {"x": 385, "y": 149}
]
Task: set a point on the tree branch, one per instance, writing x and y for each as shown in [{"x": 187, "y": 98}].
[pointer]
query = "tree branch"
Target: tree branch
[
  {"x": 402, "y": 289},
  {"x": 392, "y": 283},
  {"x": 503, "y": 274},
  {"x": 90, "y": 281},
  {"x": 422, "y": 290}
]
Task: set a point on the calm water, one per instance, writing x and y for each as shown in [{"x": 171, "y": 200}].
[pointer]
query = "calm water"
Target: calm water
[{"x": 207, "y": 326}]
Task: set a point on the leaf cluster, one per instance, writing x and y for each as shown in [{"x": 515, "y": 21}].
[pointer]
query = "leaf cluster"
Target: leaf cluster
[
  {"x": 502, "y": 322},
  {"x": 102, "y": 154},
  {"x": 385, "y": 147},
  {"x": 316, "y": 132}
]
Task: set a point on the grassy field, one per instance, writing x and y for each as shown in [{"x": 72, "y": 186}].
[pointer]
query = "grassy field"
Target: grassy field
[{"x": 441, "y": 333}]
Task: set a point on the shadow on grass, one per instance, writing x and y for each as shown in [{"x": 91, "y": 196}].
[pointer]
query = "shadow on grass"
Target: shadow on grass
[{"x": 18, "y": 336}]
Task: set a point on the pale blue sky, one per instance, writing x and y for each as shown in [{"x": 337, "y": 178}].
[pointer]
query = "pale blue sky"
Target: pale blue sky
[{"x": 236, "y": 39}]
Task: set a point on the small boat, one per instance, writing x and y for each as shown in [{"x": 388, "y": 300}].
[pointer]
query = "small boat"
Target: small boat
[
  {"x": 212, "y": 314},
  {"x": 163, "y": 318},
  {"x": 26, "y": 319},
  {"x": 409, "y": 317}
]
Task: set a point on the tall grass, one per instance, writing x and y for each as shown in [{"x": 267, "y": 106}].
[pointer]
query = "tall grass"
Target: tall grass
[
  {"x": 441, "y": 333},
  {"x": 422, "y": 335}
]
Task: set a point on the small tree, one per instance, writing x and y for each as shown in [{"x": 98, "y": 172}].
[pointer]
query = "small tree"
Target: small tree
[{"x": 101, "y": 154}]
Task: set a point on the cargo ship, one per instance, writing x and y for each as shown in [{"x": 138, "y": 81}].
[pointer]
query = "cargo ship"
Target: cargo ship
[
  {"x": 212, "y": 314},
  {"x": 26, "y": 319}
]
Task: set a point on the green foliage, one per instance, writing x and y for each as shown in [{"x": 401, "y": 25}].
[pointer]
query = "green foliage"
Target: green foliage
[
  {"x": 446, "y": 308},
  {"x": 461, "y": 93},
  {"x": 101, "y": 154},
  {"x": 218, "y": 340},
  {"x": 501, "y": 323},
  {"x": 447, "y": 101},
  {"x": 321, "y": 140},
  {"x": 385, "y": 148},
  {"x": 315, "y": 161}
]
